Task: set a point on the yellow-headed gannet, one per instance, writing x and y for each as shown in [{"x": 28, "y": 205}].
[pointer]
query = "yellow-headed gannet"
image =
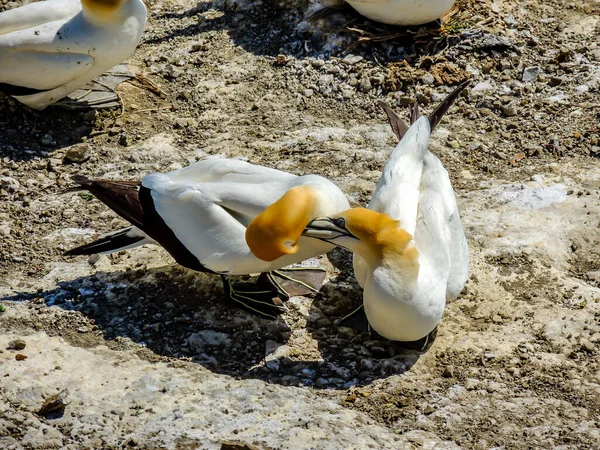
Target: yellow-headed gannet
[
  {"x": 51, "y": 48},
  {"x": 402, "y": 12},
  {"x": 410, "y": 250},
  {"x": 210, "y": 215}
]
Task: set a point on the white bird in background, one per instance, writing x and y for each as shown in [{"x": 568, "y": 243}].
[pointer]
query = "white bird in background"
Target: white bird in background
[
  {"x": 51, "y": 48},
  {"x": 410, "y": 250},
  {"x": 216, "y": 215},
  {"x": 402, "y": 12}
]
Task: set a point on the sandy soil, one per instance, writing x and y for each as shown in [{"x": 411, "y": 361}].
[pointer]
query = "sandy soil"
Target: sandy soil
[{"x": 515, "y": 362}]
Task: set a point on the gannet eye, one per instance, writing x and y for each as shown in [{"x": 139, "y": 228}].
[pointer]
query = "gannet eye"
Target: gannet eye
[{"x": 340, "y": 222}]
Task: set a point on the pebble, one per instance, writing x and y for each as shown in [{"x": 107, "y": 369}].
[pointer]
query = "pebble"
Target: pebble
[
  {"x": 428, "y": 79},
  {"x": 448, "y": 371},
  {"x": 531, "y": 73},
  {"x": 17, "y": 344},
  {"x": 365, "y": 84},
  {"x": 510, "y": 110},
  {"x": 78, "y": 154},
  {"x": 352, "y": 59},
  {"x": 587, "y": 346},
  {"x": 471, "y": 384},
  {"x": 46, "y": 139}
]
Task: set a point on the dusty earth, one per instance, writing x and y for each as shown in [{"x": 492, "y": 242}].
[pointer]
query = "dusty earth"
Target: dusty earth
[{"x": 145, "y": 354}]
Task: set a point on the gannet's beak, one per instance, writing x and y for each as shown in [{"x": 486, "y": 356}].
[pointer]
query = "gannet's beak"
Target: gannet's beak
[{"x": 327, "y": 229}]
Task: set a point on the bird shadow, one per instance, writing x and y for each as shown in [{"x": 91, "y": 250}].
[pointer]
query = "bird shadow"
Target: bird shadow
[
  {"x": 178, "y": 313},
  {"x": 272, "y": 28},
  {"x": 26, "y": 133}
]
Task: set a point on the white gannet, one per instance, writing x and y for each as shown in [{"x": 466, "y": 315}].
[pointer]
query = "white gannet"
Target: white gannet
[
  {"x": 402, "y": 12},
  {"x": 51, "y": 48},
  {"x": 210, "y": 215},
  {"x": 410, "y": 250}
]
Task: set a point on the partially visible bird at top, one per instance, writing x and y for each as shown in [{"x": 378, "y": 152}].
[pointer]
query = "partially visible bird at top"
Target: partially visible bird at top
[
  {"x": 402, "y": 12},
  {"x": 51, "y": 48},
  {"x": 410, "y": 251},
  {"x": 215, "y": 215}
]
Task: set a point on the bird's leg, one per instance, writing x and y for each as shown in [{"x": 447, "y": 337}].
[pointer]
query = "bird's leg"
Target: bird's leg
[
  {"x": 251, "y": 296},
  {"x": 298, "y": 280},
  {"x": 357, "y": 320}
]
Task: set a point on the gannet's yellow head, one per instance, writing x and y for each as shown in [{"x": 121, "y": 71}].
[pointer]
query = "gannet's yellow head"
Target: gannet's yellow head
[
  {"x": 375, "y": 236},
  {"x": 275, "y": 231},
  {"x": 102, "y": 9}
]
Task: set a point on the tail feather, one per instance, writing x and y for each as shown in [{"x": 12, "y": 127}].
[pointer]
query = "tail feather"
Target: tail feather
[
  {"x": 436, "y": 116},
  {"x": 120, "y": 196},
  {"x": 123, "y": 239},
  {"x": 399, "y": 127}
]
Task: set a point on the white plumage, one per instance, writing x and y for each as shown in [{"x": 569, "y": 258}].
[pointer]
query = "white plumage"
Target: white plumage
[
  {"x": 209, "y": 205},
  {"x": 415, "y": 190},
  {"x": 51, "y": 48},
  {"x": 402, "y": 12}
]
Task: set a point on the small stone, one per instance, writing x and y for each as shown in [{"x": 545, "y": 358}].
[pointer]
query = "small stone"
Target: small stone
[
  {"x": 20, "y": 357},
  {"x": 365, "y": 84},
  {"x": 497, "y": 318},
  {"x": 46, "y": 139},
  {"x": 514, "y": 371},
  {"x": 172, "y": 71},
  {"x": 9, "y": 184},
  {"x": 510, "y": 110},
  {"x": 325, "y": 80},
  {"x": 555, "y": 81},
  {"x": 352, "y": 59},
  {"x": 428, "y": 410},
  {"x": 531, "y": 73},
  {"x": 406, "y": 101},
  {"x": 308, "y": 93},
  {"x": 78, "y": 154},
  {"x": 124, "y": 140},
  {"x": 17, "y": 344},
  {"x": 428, "y": 79},
  {"x": 471, "y": 384},
  {"x": 587, "y": 346},
  {"x": 448, "y": 371}
]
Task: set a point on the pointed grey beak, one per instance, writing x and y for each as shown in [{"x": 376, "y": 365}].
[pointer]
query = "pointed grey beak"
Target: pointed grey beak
[{"x": 325, "y": 228}]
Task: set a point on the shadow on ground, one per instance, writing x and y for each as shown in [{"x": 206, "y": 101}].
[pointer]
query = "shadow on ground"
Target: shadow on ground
[
  {"x": 26, "y": 133},
  {"x": 271, "y": 29},
  {"x": 178, "y": 313}
]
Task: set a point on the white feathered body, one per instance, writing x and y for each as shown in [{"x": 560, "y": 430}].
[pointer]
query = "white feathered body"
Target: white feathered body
[
  {"x": 416, "y": 190},
  {"x": 402, "y": 12},
  {"x": 58, "y": 47},
  {"x": 209, "y": 204}
]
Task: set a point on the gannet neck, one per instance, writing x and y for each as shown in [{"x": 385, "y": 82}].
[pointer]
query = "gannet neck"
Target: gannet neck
[
  {"x": 275, "y": 232},
  {"x": 102, "y": 12}
]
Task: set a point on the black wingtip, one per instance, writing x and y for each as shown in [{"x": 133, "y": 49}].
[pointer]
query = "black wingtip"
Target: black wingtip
[
  {"x": 399, "y": 127},
  {"x": 438, "y": 113}
]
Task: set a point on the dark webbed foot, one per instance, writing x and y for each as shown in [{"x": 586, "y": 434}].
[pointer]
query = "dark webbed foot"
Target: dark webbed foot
[
  {"x": 298, "y": 281},
  {"x": 255, "y": 297},
  {"x": 265, "y": 297}
]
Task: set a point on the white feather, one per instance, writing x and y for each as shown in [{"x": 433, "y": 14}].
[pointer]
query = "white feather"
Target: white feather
[
  {"x": 209, "y": 204},
  {"x": 416, "y": 190},
  {"x": 402, "y": 12},
  {"x": 60, "y": 47}
]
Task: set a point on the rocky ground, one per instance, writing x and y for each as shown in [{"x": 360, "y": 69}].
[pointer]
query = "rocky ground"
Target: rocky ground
[{"x": 130, "y": 350}]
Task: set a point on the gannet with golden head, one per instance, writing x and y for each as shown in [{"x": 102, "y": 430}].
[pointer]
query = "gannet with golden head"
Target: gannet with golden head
[
  {"x": 211, "y": 217},
  {"x": 410, "y": 250},
  {"x": 51, "y": 48},
  {"x": 402, "y": 12}
]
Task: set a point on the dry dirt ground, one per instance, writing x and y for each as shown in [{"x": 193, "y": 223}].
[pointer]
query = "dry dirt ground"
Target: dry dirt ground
[{"x": 149, "y": 353}]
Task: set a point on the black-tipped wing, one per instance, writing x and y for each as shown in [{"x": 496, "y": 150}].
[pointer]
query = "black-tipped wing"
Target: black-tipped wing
[
  {"x": 134, "y": 203},
  {"x": 120, "y": 196},
  {"x": 436, "y": 116},
  {"x": 113, "y": 242},
  {"x": 399, "y": 126}
]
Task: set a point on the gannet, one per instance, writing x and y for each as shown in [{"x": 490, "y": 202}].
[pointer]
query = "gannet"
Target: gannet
[
  {"x": 51, "y": 48},
  {"x": 410, "y": 251},
  {"x": 212, "y": 215},
  {"x": 402, "y": 12}
]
